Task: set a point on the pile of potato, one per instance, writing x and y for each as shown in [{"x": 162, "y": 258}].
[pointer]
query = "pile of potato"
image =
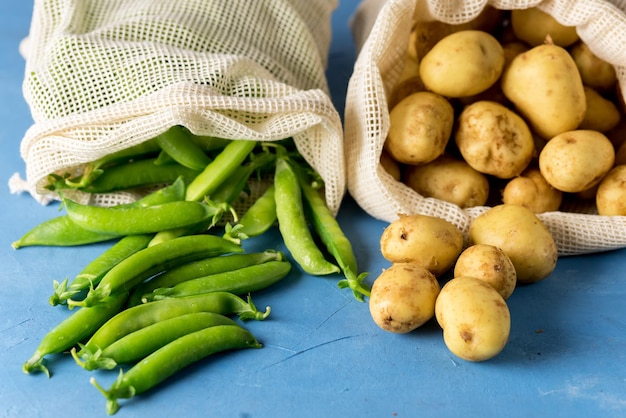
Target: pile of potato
[
  {"x": 510, "y": 108},
  {"x": 508, "y": 244}
]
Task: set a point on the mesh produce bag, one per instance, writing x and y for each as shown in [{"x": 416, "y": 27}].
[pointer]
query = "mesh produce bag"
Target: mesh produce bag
[
  {"x": 381, "y": 30},
  {"x": 102, "y": 76}
]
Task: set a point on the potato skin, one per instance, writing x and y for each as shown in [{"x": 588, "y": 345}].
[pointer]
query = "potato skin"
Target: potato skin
[
  {"x": 462, "y": 64},
  {"x": 419, "y": 128},
  {"x": 490, "y": 264},
  {"x": 546, "y": 88},
  {"x": 521, "y": 235},
  {"x": 450, "y": 180},
  {"x": 403, "y": 297},
  {"x": 576, "y": 160},
  {"x": 595, "y": 72},
  {"x": 532, "y": 190},
  {"x": 533, "y": 25},
  {"x": 494, "y": 140},
  {"x": 428, "y": 241},
  {"x": 602, "y": 115},
  {"x": 475, "y": 319},
  {"x": 611, "y": 193}
]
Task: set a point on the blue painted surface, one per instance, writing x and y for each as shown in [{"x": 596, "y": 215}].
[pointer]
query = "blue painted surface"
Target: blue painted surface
[{"x": 322, "y": 355}]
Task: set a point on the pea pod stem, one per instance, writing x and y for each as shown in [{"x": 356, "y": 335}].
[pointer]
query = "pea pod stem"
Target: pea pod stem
[
  {"x": 93, "y": 272},
  {"x": 293, "y": 225},
  {"x": 140, "y": 343},
  {"x": 77, "y": 327},
  {"x": 239, "y": 281},
  {"x": 201, "y": 268},
  {"x": 140, "y": 316},
  {"x": 145, "y": 263},
  {"x": 177, "y": 143},
  {"x": 333, "y": 237},
  {"x": 174, "y": 357}
]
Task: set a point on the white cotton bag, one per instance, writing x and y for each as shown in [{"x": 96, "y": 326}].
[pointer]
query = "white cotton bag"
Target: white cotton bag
[
  {"x": 102, "y": 76},
  {"x": 381, "y": 30}
]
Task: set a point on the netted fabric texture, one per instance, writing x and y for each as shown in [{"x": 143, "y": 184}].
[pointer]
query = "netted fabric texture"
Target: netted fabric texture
[
  {"x": 103, "y": 76},
  {"x": 601, "y": 24}
]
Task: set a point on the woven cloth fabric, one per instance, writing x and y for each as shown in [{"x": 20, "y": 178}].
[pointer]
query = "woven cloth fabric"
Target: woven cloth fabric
[
  {"x": 102, "y": 76},
  {"x": 381, "y": 30}
]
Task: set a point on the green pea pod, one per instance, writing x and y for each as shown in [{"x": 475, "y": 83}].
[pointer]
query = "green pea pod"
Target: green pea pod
[
  {"x": 261, "y": 216},
  {"x": 177, "y": 143},
  {"x": 333, "y": 237},
  {"x": 200, "y": 268},
  {"x": 93, "y": 272},
  {"x": 174, "y": 357},
  {"x": 240, "y": 281},
  {"x": 138, "y": 174},
  {"x": 224, "y": 164},
  {"x": 138, "y": 344},
  {"x": 145, "y": 263},
  {"x": 137, "y": 220},
  {"x": 73, "y": 329},
  {"x": 141, "y": 316},
  {"x": 293, "y": 224}
]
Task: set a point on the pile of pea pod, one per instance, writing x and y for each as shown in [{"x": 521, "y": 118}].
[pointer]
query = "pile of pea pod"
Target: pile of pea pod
[{"x": 162, "y": 295}]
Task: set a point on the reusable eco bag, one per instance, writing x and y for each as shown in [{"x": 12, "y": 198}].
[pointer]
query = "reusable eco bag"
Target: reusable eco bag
[
  {"x": 102, "y": 76},
  {"x": 381, "y": 30}
]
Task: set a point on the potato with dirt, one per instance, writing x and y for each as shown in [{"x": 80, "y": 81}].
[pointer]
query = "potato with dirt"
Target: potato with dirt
[
  {"x": 530, "y": 189},
  {"x": 403, "y": 297},
  {"x": 576, "y": 160},
  {"x": 546, "y": 88},
  {"x": 490, "y": 264},
  {"x": 611, "y": 193},
  {"x": 419, "y": 128},
  {"x": 428, "y": 241},
  {"x": 462, "y": 64},
  {"x": 522, "y": 236},
  {"x": 448, "y": 179},
  {"x": 494, "y": 140},
  {"x": 475, "y": 319}
]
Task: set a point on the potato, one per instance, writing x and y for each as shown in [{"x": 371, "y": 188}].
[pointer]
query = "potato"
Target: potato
[
  {"x": 544, "y": 85},
  {"x": 494, "y": 140},
  {"x": 611, "y": 193},
  {"x": 602, "y": 115},
  {"x": 533, "y": 26},
  {"x": 419, "y": 128},
  {"x": 408, "y": 83},
  {"x": 428, "y": 241},
  {"x": 403, "y": 297},
  {"x": 595, "y": 72},
  {"x": 391, "y": 166},
  {"x": 450, "y": 180},
  {"x": 462, "y": 64},
  {"x": 522, "y": 236},
  {"x": 576, "y": 160},
  {"x": 532, "y": 190},
  {"x": 475, "y": 319},
  {"x": 490, "y": 264}
]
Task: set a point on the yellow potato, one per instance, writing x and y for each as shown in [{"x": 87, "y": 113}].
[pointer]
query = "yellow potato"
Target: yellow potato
[
  {"x": 602, "y": 115},
  {"x": 533, "y": 26},
  {"x": 408, "y": 83},
  {"x": 475, "y": 319},
  {"x": 521, "y": 235},
  {"x": 450, "y": 180},
  {"x": 462, "y": 64},
  {"x": 428, "y": 241},
  {"x": 546, "y": 89},
  {"x": 391, "y": 166},
  {"x": 403, "y": 297},
  {"x": 595, "y": 72},
  {"x": 532, "y": 190},
  {"x": 576, "y": 160},
  {"x": 419, "y": 128},
  {"x": 494, "y": 140},
  {"x": 490, "y": 264},
  {"x": 611, "y": 193}
]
